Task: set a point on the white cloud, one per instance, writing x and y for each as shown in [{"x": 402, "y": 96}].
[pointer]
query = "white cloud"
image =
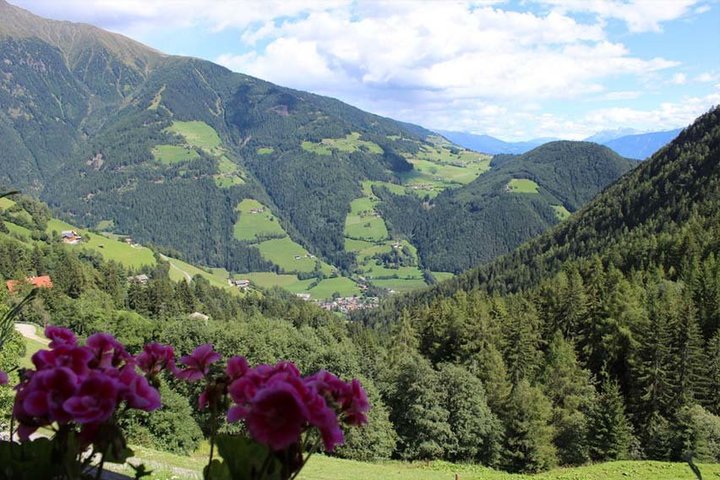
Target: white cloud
[
  {"x": 638, "y": 15},
  {"x": 679, "y": 79}
]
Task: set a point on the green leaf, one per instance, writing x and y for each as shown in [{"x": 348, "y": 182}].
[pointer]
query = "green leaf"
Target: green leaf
[{"x": 246, "y": 459}]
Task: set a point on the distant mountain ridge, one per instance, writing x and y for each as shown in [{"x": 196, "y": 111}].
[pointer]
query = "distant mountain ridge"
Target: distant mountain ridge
[
  {"x": 492, "y": 145},
  {"x": 643, "y": 145}
]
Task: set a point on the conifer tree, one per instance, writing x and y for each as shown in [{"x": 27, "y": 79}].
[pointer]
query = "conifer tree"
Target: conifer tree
[
  {"x": 610, "y": 434},
  {"x": 528, "y": 445}
]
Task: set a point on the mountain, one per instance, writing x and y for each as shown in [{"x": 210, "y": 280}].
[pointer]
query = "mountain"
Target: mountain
[
  {"x": 606, "y": 135},
  {"x": 223, "y": 169},
  {"x": 491, "y": 145},
  {"x": 608, "y": 322},
  {"x": 641, "y": 146},
  {"x": 506, "y": 206}
]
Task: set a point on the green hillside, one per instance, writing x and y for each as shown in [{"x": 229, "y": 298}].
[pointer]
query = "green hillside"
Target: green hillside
[
  {"x": 164, "y": 148},
  {"x": 504, "y": 207}
]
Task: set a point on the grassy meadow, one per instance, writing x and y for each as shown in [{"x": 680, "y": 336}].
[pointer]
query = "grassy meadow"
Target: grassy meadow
[
  {"x": 561, "y": 212},
  {"x": 522, "y": 185},
  {"x": 351, "y": 143},
  {"x": 255, "y": 221}
]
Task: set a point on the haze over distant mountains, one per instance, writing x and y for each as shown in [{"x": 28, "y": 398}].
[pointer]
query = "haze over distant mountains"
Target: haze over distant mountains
[{"x": 628, "y": 142}]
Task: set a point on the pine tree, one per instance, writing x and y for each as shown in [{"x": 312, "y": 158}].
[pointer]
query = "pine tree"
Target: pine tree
[
  {"x": 712, "y": 400},
  {"x": 528, "y": 445},
  {"x": 569, "y": 389},
  {"x": 610, "y": 434},
  {"x": 689, "y": 361},
  {"x": 521, "y": 340}
]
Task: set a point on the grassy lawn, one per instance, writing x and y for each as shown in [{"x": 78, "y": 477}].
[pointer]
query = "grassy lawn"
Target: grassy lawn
[
  {"x": 179, "y": 269},
  {"x": 32, "y": 346},
  {"x": 110, "y": 249},
  {"x": 170, "y": 154},
  {"x": 400, "y": 284},
  {"x": 342, "y": 285},
  {"x": 249, "y": 226},
  {"x": 351, "y": 143},
  {"x": 561, "y": 212},
  {"x": 522, "y": 185},
  {"x": 268, "y": 279},
  {"x": 320, "y": 467},
  {"x": 18, "y": 230},
  {"x": 197, "y": 133},
  {"x": 442, "y": 276},
  {"x": 283, "y": 252},
  {"x": 362, "y": 222}
]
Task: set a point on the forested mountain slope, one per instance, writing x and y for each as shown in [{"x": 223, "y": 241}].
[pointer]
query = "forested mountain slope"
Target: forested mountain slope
[
  {"x": 521, "y": 197},
  {"x": 171, "y": 150},
  {"x": 601, "y": 338}
]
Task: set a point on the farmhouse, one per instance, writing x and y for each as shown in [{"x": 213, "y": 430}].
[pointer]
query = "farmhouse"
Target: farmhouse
[
  {"x": 141, "y": 279},
  {"x": 303, "y": 296},
  {"x": 242, "y": 283},
  {"x": 199, "y": 316},
  {"x": 71, "y": 237},
  {"x": 43, "y": 281}
]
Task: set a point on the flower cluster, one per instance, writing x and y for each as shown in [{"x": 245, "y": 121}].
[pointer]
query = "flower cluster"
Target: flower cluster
[
  {"x": 276, "y": 403},
  {"x": 81, "y": 384},
  {"x": 3, "y": 378}
]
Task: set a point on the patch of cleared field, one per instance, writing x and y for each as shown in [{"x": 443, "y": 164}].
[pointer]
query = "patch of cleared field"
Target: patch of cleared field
[
  {"x": 6, "y": 203},
  {"x": 223, "y": 181},
  {"x": 180, "y": 270},
  {"x": 561, "y": 212},
  {"x": 329, "y": 286},
  {"x": 352, "y": 245},
  {"x": 301, "y": 286},
  {"x": 197, "y": 133},
  {"x": 265, "y": 150},
  {"x": 351, "y": 143},
  {"x": 228, "y": 175},
  {"x": 381, "y": 272},
  {"x": 289, "y": 256},
  {"x": 522, "y": 185},
  {"x": 400, "y": 284},
  {"x": 109, "y": 248},
  {"x": 18, "y": 230},
  {"x": 268, "y": 279},
  {"x": 363, "y": 222},
  {"x": 442, "y": 276},
  {"x": 171, "y": 154},
  {"x": 255, "y": 221},
  {"x": 105, "y": 225},
  {"x": 393, "y": 187}
]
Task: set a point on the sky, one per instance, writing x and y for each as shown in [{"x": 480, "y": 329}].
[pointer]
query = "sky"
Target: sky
[{"x": 515, "y": 70}]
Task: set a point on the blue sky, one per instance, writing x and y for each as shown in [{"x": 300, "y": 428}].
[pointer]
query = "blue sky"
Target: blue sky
[{"x": 512, "y": 69}]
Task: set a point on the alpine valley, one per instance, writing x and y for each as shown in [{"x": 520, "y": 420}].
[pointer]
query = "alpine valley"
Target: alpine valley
[{"x": 282, "y": 186}]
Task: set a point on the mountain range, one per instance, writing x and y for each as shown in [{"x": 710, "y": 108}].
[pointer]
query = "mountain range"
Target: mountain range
[
  {"x": 230, "y": 171},
  {"x": 628, "y": 142}
]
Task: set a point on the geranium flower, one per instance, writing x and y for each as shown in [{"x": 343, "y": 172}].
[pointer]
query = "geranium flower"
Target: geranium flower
[
  {"x": 198, "y": 363},
  {"x": 277, "y": 415},
  {"x": 156, "y": 357},
  {"x": 60, "y": 336},
  {"x": 137, "y": 392},
  {"x": 95, "y": 401},
  {"x": 108, "y": 351},
  {"x": 3, "y": 378}
]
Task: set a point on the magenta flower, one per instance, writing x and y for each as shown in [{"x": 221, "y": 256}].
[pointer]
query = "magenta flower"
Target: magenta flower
[
  {"x": 108, "y": 351},
  {"x": 73, "y": 357},
  {"x": 198, "y": 363},
  {"x": 156, "y": 357},
  {"x": 348, "y": 399},
  {"x": 137, "y": 392},
  {"x": 40, "y": 400},
  {"x": 277, "y": 416},
  {"x": 60, "y": 336},
  {"x": 3, "y": 378},
  {"x": 236, "y": 368},
  {"x": 95, "y": 401}
]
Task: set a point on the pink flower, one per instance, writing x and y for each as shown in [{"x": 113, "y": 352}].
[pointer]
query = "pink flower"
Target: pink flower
[
  {"x": 348, "y": 399},
  {"x": 95, "y": 401},
  {"x": 137, "y": 391},
  {"x": 156, "y": 357},
  {"x": 73, "y": 357},
  {"x": 277, "y": 416},
  {"x": 40, "y": 400},
  {"x": 198, "y": 363},
  {"x": 60, "y": 336},
  {"x": 108, "y": 351},
  {"x": 356, "y": 405},
  {"x": 3, "y": 378},
  {"x": 236, "y": 368}
]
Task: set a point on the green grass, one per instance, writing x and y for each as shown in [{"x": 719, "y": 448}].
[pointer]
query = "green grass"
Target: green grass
[
  {"x": 109, "y": 248},
  {"x": 561, "y": 212},
  {"x": 268, "y": 279},
  {"x": 282, "y": 252},
  {"x": 178, "y": 269},
  {"x": 342, "y": 285},
  {"x": 105, "y": 225},
  {"x": 265, "y": 150},
  {"x": 351, "y": 143},
  {"x": 442, "y": 276},
  {"x": 227, "y": 181},
  {"x": 197, "y": 133},
  {"x": 252, "y": 226},
  {"x": 32, "y": 346},
  {"x": 18, "y": 230},
  {"x": 171, "y": 154},
  {"x": 6, "y": 203},
  {"x": 320, "y": 467},
  {"x": 362, "y": 223},
  {"x": 522, "y": 185},
  {"x": 400, "y": 284}
]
